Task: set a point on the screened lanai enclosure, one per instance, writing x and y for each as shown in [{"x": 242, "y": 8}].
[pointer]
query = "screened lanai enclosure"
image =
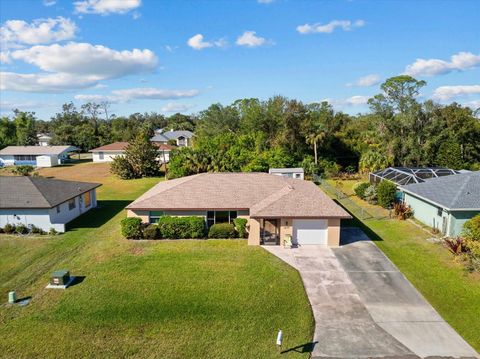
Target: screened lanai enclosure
[{"x": 408, "y": 175}]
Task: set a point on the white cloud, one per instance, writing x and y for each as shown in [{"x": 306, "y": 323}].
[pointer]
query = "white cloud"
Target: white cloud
[
  {"x": 136, "y": 15},
  {"x": 141, "y": 93},
  {"x": 430, "y": 67},
  {"x": 176, "y": 107},
  {"x": 49, "y": 2},
  {"x": 15, "y": 33},
  {"x": 24, "y": 105},
  {"x": 5, "y": 57},
  {"x": 473, "y": 104},
  {"x": 197, "y": 42},
  {"x": 366, "y": 81},
  {"x": 345, "y": 25},
  {"x": 265, "y": 1},
  {"x": 250, "y": 39},
  {"x": 446, "y": 93},
  {"x": 59, "y": 82},
  {"x": 106, "y": 7},
  {"x": 348, "y": 102}
]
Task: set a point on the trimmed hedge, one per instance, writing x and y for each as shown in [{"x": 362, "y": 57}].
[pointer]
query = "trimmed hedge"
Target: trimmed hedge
[
  {"x": 386, "y": 193},
  {"x": 132, "y": 228},
  {"x": 181, "y": 227},
  {"x": 241, "y": 227},
  {"x": 222, "y": 230},
  {"x": 151, "y": 232},
  {"x": 360, "y": 189}
]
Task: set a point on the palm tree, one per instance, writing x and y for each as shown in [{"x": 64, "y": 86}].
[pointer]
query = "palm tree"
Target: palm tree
[{"x": 313, "y": 139}]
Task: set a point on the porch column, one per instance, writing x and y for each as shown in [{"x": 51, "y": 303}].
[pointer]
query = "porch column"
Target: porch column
[{"x": 253, "y": 232}]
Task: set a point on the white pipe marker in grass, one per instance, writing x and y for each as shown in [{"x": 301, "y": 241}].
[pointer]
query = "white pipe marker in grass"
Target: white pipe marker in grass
[{"x": 279, "y": 338}]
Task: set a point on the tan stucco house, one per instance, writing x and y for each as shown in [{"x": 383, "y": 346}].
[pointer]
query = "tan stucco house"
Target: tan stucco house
[{"x": 275, "y": 206}]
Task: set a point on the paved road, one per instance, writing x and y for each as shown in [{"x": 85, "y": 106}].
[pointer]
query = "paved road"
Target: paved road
[{"x": 365, "y": 308}]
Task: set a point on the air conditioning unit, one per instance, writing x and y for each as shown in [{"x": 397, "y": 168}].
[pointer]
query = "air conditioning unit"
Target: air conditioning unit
[{"x": 60, "y": 277}]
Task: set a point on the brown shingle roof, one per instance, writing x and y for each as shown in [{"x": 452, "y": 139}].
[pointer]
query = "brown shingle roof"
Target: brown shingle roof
[
  {"x": 38, "y": 192},
  {"x": 120, "y": 146},
  {"x": 263, "y": 194}
]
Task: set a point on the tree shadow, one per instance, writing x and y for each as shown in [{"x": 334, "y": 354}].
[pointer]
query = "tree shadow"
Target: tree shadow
[
  {"x": 302, "y": 348},
  {"x": 99, "y": 215}
]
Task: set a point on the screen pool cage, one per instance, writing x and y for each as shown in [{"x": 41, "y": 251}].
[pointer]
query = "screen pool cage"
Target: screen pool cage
[{"x": 408, "y": 175}]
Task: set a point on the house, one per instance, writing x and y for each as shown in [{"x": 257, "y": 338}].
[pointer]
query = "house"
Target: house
[
  {"x": 275, "y": 206},
  {"x": 445, "y": 203},
  {"x": 182, "y": 138},
  {"x": 288, "y": 172},
  {"x": 108, "y": 152},
  {"x": 38, "y": 156},
  {"x": 402, "y": 176},
  {"x": 44, "y": 139},
  {"x": 43, "y": 202}
]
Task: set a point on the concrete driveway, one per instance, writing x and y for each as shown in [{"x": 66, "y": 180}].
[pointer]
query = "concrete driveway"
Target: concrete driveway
[{"x": 365, "y": 308}]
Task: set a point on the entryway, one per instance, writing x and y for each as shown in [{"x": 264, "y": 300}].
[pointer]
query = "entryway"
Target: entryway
[{"x": 270, "y": 231}]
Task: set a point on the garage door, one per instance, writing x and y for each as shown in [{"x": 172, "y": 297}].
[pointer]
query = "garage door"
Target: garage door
[{"x": 310, "y": 231}]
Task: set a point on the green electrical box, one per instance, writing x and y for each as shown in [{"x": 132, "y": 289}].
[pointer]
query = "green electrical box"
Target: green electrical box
[{"x": 60, "y": 277}]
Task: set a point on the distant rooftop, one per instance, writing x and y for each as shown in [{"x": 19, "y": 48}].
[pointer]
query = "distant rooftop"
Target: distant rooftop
[
  {"x": 161, "y": 135},
  {"x": 409, "y": 175},
  {"x": 36, "y": 150},
  {"x": 286, "y": 170}
]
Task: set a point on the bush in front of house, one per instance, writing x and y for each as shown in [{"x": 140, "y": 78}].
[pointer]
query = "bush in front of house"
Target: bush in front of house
[
  {"x": 360, "y": 189},
  {"x": 222, "y": 230},
  {"x": 181, "y": 227},
  {"x": 9, "y": 228},
  {"x": 371, "y": 195},
  {"x": 386, "y": 193},
  {"x": 132, "y": 228},
  {"x": 35, "y": 230},
  {"x": 471, "y": 228},
  {"x": 23, "y": 170},
  {"x": 151, "y": 232},
  {"x": 241, "y": 227},
  {"x": 21, "y": 229}
]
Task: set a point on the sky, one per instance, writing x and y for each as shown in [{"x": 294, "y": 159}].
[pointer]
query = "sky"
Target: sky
[{"x": 183, "y": 55}]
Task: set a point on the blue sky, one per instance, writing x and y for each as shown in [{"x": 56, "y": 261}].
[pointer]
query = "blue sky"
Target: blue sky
[{"x": 168, "y": 56}]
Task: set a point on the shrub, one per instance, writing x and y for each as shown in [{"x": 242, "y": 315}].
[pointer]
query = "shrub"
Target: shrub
[
  {"x": 371, "y": 195},
  {"x": 36, "y": 230},
  {"x": 132, "y": 227},
  {"x": 386, "y": 193},
  {"x": 52, "y": 232},
  {"x": 23, "y": 170},
  {"x": 21, "y": 229},
  {"x": 151, "y": 232},
  {"x": 471, "y": 228},
  {"x": 181, "y": 227},
  {"x": 455, "y": 245},
  {"x": 241, "y": 227},
  {"x": 360, "y": 189},
  {"x": 222, "y": 230},
  {"x": 9, "y": 228},
  {"x": 402, "y": 210}
]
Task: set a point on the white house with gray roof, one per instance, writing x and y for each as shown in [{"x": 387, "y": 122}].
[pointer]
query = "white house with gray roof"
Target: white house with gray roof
[
  {"x": 445, "y": 203},
  {"x": 37, "y": 156},
  {"x": 43, "y": 202},
  {"x": 182, "y": 138}
]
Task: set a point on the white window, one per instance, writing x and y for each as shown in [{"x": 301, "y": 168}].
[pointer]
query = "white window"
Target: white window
[{"x": 220, "y": 217}]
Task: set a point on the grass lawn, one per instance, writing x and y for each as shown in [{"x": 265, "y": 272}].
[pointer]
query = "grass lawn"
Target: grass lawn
[
  {"x": 171, "y": 299},
  {"x": 454, "y": 293}
]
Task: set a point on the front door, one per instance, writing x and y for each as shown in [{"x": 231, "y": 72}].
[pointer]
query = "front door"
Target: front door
[{"x": 271, "y": 231}]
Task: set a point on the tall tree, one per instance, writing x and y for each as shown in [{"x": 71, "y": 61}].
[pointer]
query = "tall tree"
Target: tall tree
[{"x": 25, "y": 128}]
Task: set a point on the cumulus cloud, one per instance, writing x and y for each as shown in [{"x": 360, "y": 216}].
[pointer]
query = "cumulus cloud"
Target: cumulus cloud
[
  {"x": 5, "y": 57},
  {"x": 24, "y": 105},
  {"x": 430, "y": 67},
  {"x": 197, "y": 42},
  {"x": 140, "y": 93},
  {"x": 265, "y": 1},
  {"x": 16, "y": 33},
  {"x": 75, "y": 66},
  {"x": 106, "y": 7},
  {"x": 328, "y": 28},
  {"x": 250, "y": 39},
  {"x": 176, "y": 107},
  {"x": 446, "y": 93},
  {"x": 473, "y": 104},
  {"x": 349, "y": 102},
  {"x": 49, "y": 2},
  {"x": 366, "y": 81}
]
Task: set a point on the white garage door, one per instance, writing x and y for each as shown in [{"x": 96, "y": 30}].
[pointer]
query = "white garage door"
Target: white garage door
[{"x": 310, "y": 231}]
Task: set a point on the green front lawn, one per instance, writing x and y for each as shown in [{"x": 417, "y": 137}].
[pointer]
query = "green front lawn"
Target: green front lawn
[
  {"x": 171, "y": 299},
  {"x": 454, "y": 293}
]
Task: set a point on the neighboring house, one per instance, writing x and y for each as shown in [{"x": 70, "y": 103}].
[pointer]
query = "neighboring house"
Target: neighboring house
[
  {"x": 44, "y": 139},
  {"x": 402, "y": 176},
  {"x": 445, "y": 203},
  {"x": 297, "y": 173},
  {"x": 275, "y": 206},
  {"x": 38, "y": 156},
  {"x": 182, "y": 138},
  {"x": 108, "y": 152},
  {"x": 43, "y": 202}
]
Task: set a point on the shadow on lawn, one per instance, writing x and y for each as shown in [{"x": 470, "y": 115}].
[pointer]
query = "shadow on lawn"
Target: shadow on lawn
[
  {"x": 98, "y": 216},
  {"x": 302, "y": 348}
]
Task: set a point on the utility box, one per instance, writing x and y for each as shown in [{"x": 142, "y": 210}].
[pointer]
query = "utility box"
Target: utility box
[{"x": 60, "y": 277}]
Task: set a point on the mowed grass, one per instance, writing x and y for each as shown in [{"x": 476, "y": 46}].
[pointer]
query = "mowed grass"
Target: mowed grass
[
  {"x": 145, "y": 299},
  {"x": 442, "y": 280}
]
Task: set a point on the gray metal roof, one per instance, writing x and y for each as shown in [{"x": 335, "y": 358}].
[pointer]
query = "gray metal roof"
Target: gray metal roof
[
  {"x": 459, "y": 192},
  {"x": 286, "y": 170},
  {"x": 37, "y": 192},
  {"x": 171, "y": 135},
  {"x": 36, "y": 150}
]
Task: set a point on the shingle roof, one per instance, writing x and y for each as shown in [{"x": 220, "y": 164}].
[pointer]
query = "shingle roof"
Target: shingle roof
[
  {"x": 461, "y": 191},
  {"x": 263, "y": 194},
  {"x": 36, "y": 150},
  {"x": 120, "y": 146},
  {"x": 159, "y": 138},
  {"x": 285, "y": 170},
  {"x": 36, "y": 192},
  {"x": 171, "y": 135}
]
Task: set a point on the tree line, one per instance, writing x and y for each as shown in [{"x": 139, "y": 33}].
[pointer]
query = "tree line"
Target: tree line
[{"x": 253, "y": 135}]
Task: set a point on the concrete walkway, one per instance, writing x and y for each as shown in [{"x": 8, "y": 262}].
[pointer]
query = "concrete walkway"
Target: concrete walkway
[{"x": 365, "y": 308}]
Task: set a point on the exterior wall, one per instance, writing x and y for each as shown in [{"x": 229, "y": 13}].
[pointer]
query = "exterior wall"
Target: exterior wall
[
  {"x": 297, "y": 175},
  {"x": 253, "y": 232},
  {"x": 286, "y": 228},
  {"x": 143, "y": 215},
  {"x": 7, "y": 160},
  {"x": 65, "y": 215},
  {"x": 47, "y": 161},
  {"x": 425, "y": 212},
  {"x": 333, "y": 232},
  {"x": 107, "y": 156},
  {"x": 458, "y": 219},
  {"x": 164, "y": 156}
]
